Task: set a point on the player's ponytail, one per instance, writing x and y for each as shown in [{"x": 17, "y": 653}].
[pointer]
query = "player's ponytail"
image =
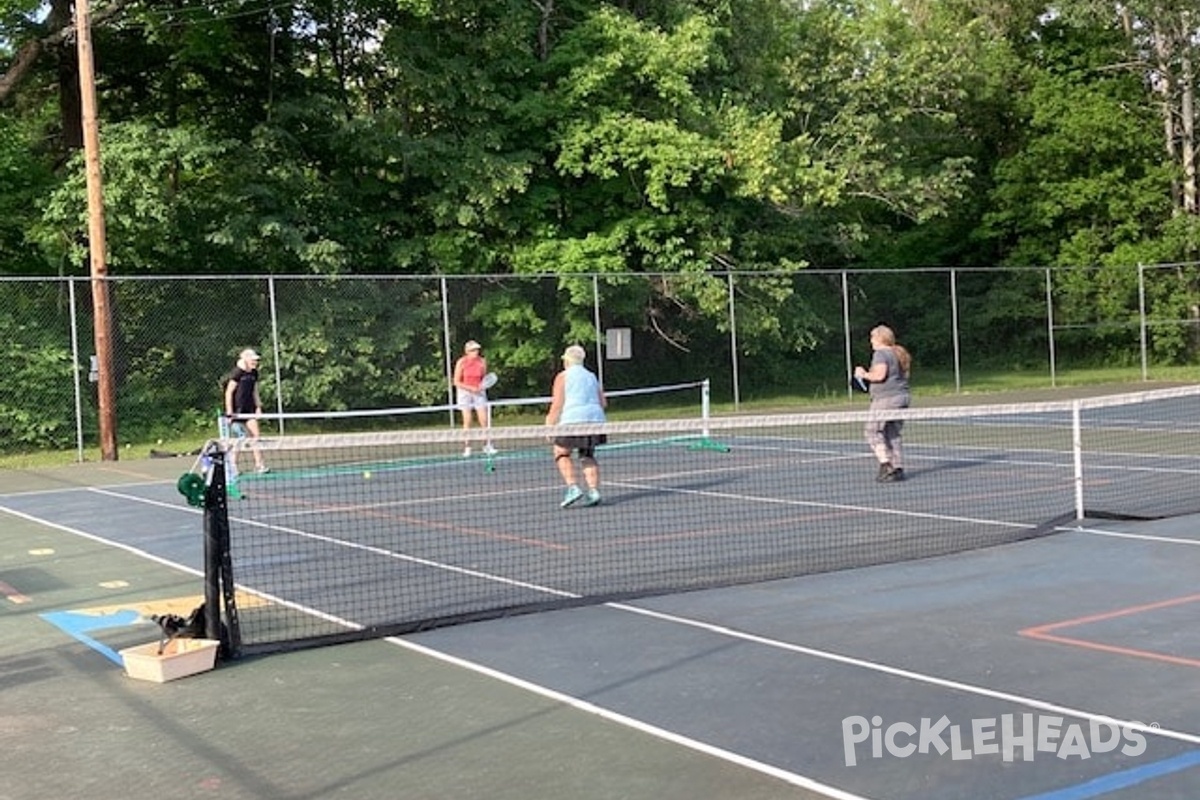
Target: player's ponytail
[{"x": 904, "y": 357}]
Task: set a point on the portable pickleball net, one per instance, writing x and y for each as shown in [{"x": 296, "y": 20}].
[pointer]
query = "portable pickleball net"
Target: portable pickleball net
[{"x": 358, "y": 535}]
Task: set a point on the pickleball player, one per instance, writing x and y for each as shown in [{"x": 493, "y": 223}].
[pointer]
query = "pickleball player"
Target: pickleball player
[
  {"x": 470, "y": 396},
  {"x": 888, "y": 374},
  {"x": 243, "y": 406},
  {"x": 577, "y": 397}
]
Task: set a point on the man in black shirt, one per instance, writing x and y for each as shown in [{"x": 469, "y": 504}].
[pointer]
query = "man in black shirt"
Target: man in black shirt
[{"x": 243, "y": 406}]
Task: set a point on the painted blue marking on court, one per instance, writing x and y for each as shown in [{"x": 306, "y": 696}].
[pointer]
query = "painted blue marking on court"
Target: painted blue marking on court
[
  {"x": 77, "y": 625},
  {"x": 1123, "y": 779}
]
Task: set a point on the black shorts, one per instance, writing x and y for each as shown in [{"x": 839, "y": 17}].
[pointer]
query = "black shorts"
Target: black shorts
[{"x": 586, "y": 445}]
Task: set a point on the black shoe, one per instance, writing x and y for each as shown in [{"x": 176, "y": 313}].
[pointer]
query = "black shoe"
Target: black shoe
[
  {"x": 884, "y": 471},
  {"x": 892, "y": 475}
]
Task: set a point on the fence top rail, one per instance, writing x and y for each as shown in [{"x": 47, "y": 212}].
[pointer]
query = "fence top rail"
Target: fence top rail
[{"x": 713, "y": 273}]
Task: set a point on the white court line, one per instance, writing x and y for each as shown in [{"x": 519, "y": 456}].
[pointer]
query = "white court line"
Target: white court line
[
  {"x": 936, "y": 452},
  {"x": 173, "y": 506},
  {"x": 582, "y": 705},
  {"x": 1148, "y": 537},
  {"x": 898, "y": 672},
  {"x": 761, "y": 767},
  {"x": 70, "y": 489},
  {"x": 101, "y": 540},
  {"x": 752, "y": 764},
  {"x": 631, "y": 722},
  {"x": 767, "y": 769},
  {"x": 783, "y": 501}
]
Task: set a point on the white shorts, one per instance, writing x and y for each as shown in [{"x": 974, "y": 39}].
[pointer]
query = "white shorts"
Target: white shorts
[{"x": 468, "y": 400}]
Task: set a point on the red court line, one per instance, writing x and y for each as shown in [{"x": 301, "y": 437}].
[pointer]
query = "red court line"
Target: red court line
[
  {"x": 372, "y": 510},
  {"x": 1042, "y": 632},
  {"x": 722, "y": 530}
]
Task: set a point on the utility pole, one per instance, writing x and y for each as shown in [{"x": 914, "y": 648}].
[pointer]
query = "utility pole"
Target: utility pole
[{"x": 97, "y": 244}]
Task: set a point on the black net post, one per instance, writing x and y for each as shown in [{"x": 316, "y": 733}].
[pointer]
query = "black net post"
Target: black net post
[{"x": 219, "y": 592}]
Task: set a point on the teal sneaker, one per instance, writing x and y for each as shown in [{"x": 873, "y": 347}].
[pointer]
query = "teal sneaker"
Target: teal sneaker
[
  {"x": 593, "y": 498},
  {"x": 572, "y": 496}
]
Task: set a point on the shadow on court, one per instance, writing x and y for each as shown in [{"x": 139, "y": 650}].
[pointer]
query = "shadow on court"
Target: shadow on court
[{"x": 1062, "y": 667}]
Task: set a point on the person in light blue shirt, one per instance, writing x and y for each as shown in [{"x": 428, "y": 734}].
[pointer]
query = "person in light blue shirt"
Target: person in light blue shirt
[{"x": 577, "y": 398}]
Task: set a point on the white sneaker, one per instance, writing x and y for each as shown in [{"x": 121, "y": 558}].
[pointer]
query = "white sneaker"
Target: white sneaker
[
  {"x": 263, "y": 469},
  {"x": 571, "y": 497},
  {"x": 488, "y": 450},
  {"x": 467, "y": 452}
]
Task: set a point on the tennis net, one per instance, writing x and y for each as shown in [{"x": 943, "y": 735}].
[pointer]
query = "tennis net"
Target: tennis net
[
  {"x": 363, "y": 535},
  {"x": 690, "y": 397}
]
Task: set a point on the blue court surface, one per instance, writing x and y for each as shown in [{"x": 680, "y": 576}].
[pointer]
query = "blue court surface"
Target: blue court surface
[{"x": 1060, "y": 668}]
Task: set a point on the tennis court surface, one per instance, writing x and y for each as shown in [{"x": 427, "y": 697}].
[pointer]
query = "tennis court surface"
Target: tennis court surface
[{"x": 951, "y": 636}]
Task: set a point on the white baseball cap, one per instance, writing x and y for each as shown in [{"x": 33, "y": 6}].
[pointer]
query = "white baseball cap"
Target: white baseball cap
[
  {"x": 574, "y": 354},
  {"x": 250, "y": 355},
  {"x": 472, "y": 345}
]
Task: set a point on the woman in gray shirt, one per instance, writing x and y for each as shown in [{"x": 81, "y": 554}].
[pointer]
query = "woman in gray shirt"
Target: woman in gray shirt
[{"x": 888, "y": 376}]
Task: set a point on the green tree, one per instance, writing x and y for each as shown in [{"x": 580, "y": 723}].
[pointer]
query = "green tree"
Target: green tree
[
  {"x": 1088, "y": 175},
  {"x": 25, "y": 176}
]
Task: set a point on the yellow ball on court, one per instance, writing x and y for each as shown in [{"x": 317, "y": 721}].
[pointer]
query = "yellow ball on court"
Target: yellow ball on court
[{"x": 367, "y": 475}]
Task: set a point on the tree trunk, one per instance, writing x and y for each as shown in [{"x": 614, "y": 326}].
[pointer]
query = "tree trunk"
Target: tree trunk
[
  {"x": 1164, "y": 84},
  {"x": 1187, "y": 123},
  {"x": 546, "y": 8}
]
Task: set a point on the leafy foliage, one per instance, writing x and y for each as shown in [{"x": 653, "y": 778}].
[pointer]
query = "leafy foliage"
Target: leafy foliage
[
  {"x": 1089, "y": 176},
  {"x": 588, "y": 140},
  {"x": 35, "y": 407}
]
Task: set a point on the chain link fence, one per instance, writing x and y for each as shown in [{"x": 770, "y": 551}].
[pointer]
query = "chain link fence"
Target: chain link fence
[{"x": 340, "y": 343}]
